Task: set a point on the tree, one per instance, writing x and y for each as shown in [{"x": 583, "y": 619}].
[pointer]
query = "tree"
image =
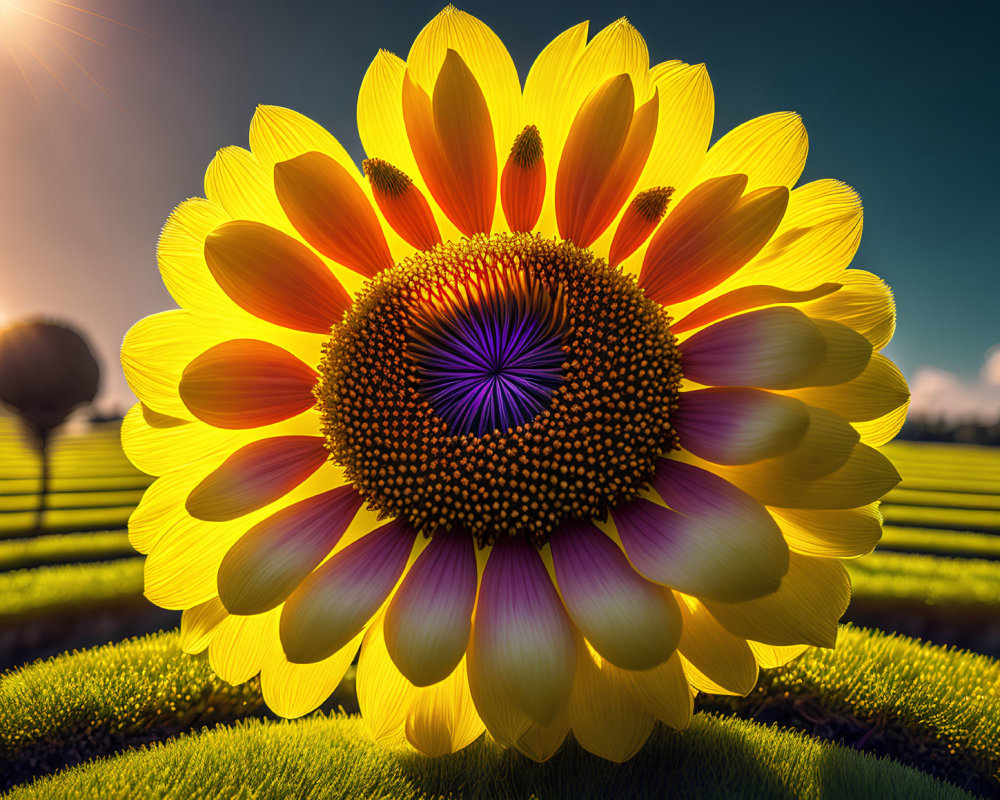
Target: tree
[{"x": 46, "y": 370}]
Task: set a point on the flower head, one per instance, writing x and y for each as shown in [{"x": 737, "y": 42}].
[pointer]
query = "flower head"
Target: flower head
[{"x": 555, "y": 413}]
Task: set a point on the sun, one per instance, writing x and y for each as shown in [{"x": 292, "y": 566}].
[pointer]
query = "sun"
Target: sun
[{"x": 49, "y": 40}]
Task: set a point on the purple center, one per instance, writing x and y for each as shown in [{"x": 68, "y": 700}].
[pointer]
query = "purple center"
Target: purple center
[{"x": 490, "y": 357}]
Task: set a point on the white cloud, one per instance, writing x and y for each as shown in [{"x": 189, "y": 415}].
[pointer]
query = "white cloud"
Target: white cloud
[{"x": 937, "y": 393}]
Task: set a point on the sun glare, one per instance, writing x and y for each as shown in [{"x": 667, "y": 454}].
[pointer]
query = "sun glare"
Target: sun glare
[{"x": 50, "y": 40}]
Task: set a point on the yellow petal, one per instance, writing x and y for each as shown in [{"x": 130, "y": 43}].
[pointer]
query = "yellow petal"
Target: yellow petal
[
  {"x": 541, "y": 742},
  {"x": 833, "y": 534},
  {"x": 162, "y": 504},
  {"x": 180, "y": 570},
  {"x": 769, "y": 656},
  {"x": 684, "y": 129},
  {"x": 879, "y": 390},
  {"x": 522, "y": 651},
  {"x": 814, "y": 243},
  {"x": 665, "y": 692},
  {"x": 805, "y": 610},
  {"x": 158, "y": 444},
  {"x": 714, "y": 660},
  {"x": 826, "y": 446},
  {"x": 240, "y": 184},
  {"x": 548, "y": 106},
  {"x": 384, "y": 695},
  {"x": 180, "y": 253},
  {"x": 618, "y": 48},
  {"x": 279, "y": 134},
  {"x": 863, "y": 303},
  {"x": 882, "y": 430},
  {"x": 380, "y": 113},
  {"x": 198, "y": 625},
  {"x": 865, "y": 477},
  {"x": 607, "y": 718},
  {"x": 291, "y": 690},
  {"x": 442, "y": 718},
  {"x": 487, "y": 58},
  {"x": 771, "y": 150},
  {"x": 847, "y": 354},
  {"x": 237, "y": 649}
]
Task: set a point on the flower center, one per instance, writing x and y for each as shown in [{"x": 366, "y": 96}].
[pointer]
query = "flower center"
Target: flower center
[
  {"x": 489, "y": 351},
  {"x": 500, "y": 385}
]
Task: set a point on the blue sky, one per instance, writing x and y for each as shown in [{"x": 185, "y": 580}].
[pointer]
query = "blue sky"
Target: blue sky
[{"x": 901, "y": 106}]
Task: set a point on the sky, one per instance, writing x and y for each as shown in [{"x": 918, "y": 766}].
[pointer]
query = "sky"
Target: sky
[{"x": 96, "y": 153}]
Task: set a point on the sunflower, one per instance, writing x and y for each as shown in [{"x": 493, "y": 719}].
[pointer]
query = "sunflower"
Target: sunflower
[{"x": 552, "y": 411}]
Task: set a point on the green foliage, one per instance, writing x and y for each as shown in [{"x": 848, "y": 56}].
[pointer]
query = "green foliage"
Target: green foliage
[
  {"x": 29, "y": 502},
  {"x": 931, "y": 579},
  {"x": 66, "y": 519},
  {"x": 29, "y": 593},
  {"x": 912, "y": 497},
  {"x": 933, "y": 707},
  {"x": 39, "y": 550},
  {"x": 325, "y": 757},
  {"x": 966, "y": 519},
  {"x": 931, "y": 540},
  {"x": 927, "y": 706},
  {"x": 88, "y": 703}
]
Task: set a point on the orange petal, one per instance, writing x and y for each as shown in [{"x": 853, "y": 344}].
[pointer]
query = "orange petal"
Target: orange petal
[
  {"x": 522, "y": 185},
  {"x": 746, "y": 298},
  {"x": 595, "y": 140},
  {"x": 274, "y": 277},
  {"x": 256, "y": 475},
  {"x": 639, "y": 221},
  {"x": 465, "y": 132},
  {"x": 626, "y": 171},
  {"x": 246, "y": 383},
  {"x": 712, "y": 233},
  {"x": 326, "y": 205},
  {"x": 402, "y": 203},
  {"x": 263, "y": 568}
]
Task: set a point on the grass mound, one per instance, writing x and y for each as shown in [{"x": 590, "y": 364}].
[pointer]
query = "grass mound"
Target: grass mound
[
  {"x": 932, "y": 708},
  {"x": 64, "y": 548},
  {"x": 65, "y": 520},
  {"x": 935, "y": 708},
  {"x": 324, "y": 757},
  {"x": 29, "y": 593},
  {"x": 958, "y": 582},
  {"x": 966, "y": 519},
  {"x": 48, "y": 610},
  {"x": 948, "y": 543},
  {"x": 80, "y": 705}
]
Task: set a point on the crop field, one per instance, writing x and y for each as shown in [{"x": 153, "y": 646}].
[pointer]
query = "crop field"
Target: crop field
[{"x": 97, "y": 699}]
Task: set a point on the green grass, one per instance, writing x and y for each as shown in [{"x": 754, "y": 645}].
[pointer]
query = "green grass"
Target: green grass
[
  {"x": 63, "y": 548},
  {"x": 18, "y": 523},
  {"x": 324, "y": 757},
  {"x": 932, "y": 707},
  {"x": 942, "y": 542},
  {"x": 965, "y": 519},
  {"x": 927, "y": 706},
  {"x": 26, "y": 594},
  {"x": 136, "y": 480},
  {"x": 93, "y": 702},
  {"x": 98, "y": 499},
  {"x": 930, "y": 579},
  {"x": 908, "y": 497}
]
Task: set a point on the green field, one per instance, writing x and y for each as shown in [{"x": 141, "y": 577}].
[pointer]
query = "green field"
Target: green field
[{"x": 121, "y": 717}]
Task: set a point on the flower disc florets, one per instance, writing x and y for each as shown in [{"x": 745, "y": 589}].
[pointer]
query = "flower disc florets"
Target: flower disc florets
[{"x": 500, "y": 385}]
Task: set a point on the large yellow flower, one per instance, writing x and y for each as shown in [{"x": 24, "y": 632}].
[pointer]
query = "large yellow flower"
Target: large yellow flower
[{"x": 593, "y": 431}]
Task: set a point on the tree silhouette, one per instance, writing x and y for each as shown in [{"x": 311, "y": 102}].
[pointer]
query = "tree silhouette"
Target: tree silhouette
[{"x": 46, "y": 370}]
